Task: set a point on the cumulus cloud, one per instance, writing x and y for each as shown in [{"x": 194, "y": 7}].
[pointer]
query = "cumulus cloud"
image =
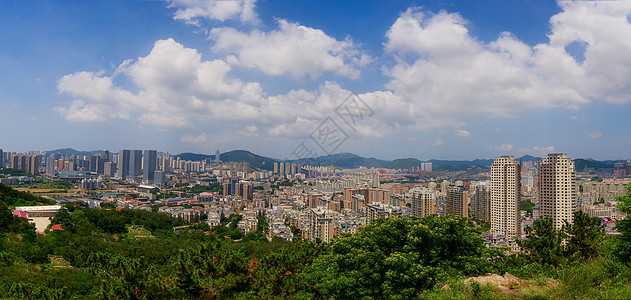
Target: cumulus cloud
[
  {"x": 453, "y": 74},
  {"x": 504, "y": 147},
  {"x": 292, "y": 49},
  {"x": 176, "y": 87},
  {"x": 437, "y": 143},
  {"x": 439, "y": 75},
  {"x": 537, "y": 151},
  {"x": 191, "y": 11},
  {"x": 202, "y": 138},
  {"x": 593, "y": 134},
  {"x": 462, "y": 133}
]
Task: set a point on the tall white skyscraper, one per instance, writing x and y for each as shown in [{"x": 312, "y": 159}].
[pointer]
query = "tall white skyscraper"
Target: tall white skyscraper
[
  {"x": 505, "y": 197},
  {"x": 557, "y": 189},
  {"x": 217, "y": 156}
]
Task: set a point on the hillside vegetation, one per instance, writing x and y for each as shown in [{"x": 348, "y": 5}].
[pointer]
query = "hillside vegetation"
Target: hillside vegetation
[{"x": 393, "y": 258}]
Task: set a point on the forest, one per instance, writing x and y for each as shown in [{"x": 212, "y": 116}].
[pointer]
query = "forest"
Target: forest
[{"x": 101, "y": 254}]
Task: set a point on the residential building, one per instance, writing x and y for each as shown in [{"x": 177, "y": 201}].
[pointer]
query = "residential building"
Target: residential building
[
  {"x": 505, "y": 197},
  {"x": 557, "y": 188},
  {"x": 481, "y": 202},
  {"x": 423, "y": 203},
  {"x": 457, "y": 202}
]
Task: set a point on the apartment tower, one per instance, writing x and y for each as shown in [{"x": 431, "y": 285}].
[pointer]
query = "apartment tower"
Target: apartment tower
[
  {"x": 557, "y": 189},
  {"x": 505, "y": 197},
  {"x": 457, "y": 202}
]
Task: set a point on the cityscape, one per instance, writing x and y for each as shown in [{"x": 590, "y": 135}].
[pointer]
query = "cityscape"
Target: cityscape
[
  {"x": 248, "y": 149},
  {"x": 323, "y": 202}
]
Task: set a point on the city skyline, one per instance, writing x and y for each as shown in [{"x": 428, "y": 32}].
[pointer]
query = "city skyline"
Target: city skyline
[{"x": 440, "y": 80}]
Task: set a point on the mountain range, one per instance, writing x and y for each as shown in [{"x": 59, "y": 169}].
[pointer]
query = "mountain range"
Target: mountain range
[{"x": 350, "y": 160}]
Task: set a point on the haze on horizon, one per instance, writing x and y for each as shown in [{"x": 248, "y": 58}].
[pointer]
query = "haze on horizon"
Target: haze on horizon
[{"x": 439, "y": 80}]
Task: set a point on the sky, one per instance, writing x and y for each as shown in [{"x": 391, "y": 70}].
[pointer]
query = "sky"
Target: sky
[{"x": 294, "y": 79}]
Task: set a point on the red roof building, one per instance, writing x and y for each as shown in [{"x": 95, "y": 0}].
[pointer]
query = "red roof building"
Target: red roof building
[{"x": 56, "y": 227}]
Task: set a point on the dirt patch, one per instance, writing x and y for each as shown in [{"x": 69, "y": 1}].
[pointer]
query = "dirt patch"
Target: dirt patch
[{"x": 509, "y": 284}]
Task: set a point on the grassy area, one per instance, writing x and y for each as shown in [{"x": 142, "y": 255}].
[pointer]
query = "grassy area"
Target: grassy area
[
  {"x": 136, "y": 231},
  {"x": 47, "y": 185}
]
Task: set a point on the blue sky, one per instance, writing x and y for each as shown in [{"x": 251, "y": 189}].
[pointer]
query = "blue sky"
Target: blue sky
[{"x": 436, "y": 79}]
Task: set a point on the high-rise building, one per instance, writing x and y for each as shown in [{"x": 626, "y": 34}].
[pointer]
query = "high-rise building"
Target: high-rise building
[
  {"x": 423, "y": 203},
  {"x": 275, "y": 167},
  {"x": 109, "y": 169},
  {"x": 149, "y": 166},
  {"x": 281, "y": 171},
  {"x": 33, "y": 164},
  {"x": 123, "y": 164},
  {"x": 481, "y": 202},
  {"x": 50, "y": 166},
  {"x": 217, "y": 156},
  {"x": 557, "y": 189},
  {"x": 619, "y": 170},
  {"x": 457, "y": 202},
  {"x": 159, "y": 178},
  {"x": 505, "y": 197},
  {"x": 1, "y": 158},
  {"x": 135, "y": 163},
  {"x": 15, "y": 162},
  {"x": 23, "y": 163}
]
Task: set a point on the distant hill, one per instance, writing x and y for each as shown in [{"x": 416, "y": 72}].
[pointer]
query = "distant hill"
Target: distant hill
[
  {"x": 256, "y": 161},
  {"x": 194, "y": 156},
  {"x": 347, "y": 161},
  {"x": 403, "y": 163},
  {"x": 580, "y": 164},
  {"x": 528, "y": 158},
  {"x": 350, "y": 160},
  {"x": 70, "y": 151}
]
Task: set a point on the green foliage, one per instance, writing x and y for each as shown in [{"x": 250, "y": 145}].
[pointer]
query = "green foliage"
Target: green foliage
[
  {"x": 584, "y": 236},
  {"x": 543, "y": 242},
  {"x": 398, "y": 258},
  {"x": 622, "y": 244},
  {"x": 14, "y": 198},
  {"x": 14, "y": 172},
  {"x": 527, "y": 207},
  {"x": 394, "y": 258}
]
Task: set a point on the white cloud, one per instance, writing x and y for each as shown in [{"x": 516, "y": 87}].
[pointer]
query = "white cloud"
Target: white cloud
[
  {"x": 537, "y": 151},
  {"x": 437, "y": 143},
  {"x": 593, "y": 134},
  {"x": 604, "y": 28},
  {"x": 462, "y": 133},
  {"x": 191, "y": 11},
  {"x": 292, "y": 49},
  {"x": 504, "y": 147},
  {"x": 453, "y": 75},
  {"x": 439, "y": 77},
  {"x": 176, "y": 88},
  {"x": 202, "y": 138}
]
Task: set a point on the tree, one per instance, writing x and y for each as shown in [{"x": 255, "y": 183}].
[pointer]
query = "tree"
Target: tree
[
  {"x": 622, "y": 242},
  {"x": 584, "y": 235},
  {"x": 543, "y": 243},
  {"x": 63, "y": 218},
  {"x": 6, "y": 218},
  {"x": 398, "y": 258}
]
